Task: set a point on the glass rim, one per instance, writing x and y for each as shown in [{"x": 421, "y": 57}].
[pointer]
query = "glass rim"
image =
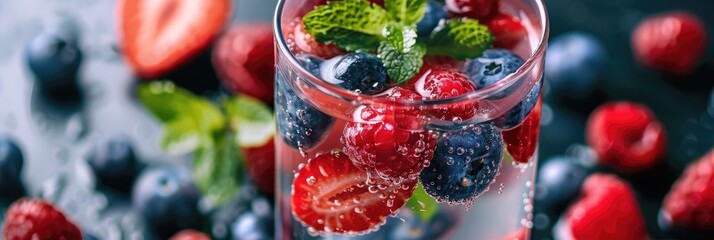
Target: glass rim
[{"x": 345, "y": 94}]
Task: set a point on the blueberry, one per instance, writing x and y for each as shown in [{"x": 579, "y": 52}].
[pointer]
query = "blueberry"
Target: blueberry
[
  {"x": 11, "y": 162},
  {"x": 54, "y": 55},
  {"x": 414, "y": 228},
  {"x": 360, "y": 72},
  {"x": 300, "y": 125},
  {"x": 257, "y": 224},
  {"x": 114, "y": 163},
  {"x": 87, "y": 236},
  {"x": 492, "y": 66},
  {"x": 433, "y": 13},
  {"x": 465, "y": 163},
  {"x": 574, "y": 63},
  {"x": 167, "y": 199},
  {"x": 516, "y": 115},
  {"x": 311, "y": 63},
  {"x": 559, "y": 181}
]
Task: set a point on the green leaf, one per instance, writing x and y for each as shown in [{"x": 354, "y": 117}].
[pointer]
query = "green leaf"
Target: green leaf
[
  {"x": 402, "y": 38},
  {"x": 422, "y": 204},
  {"x": 406, "y": 12},
  {"x": 180, "y": 136},
  {"x": 401, "y": 66},
  {"x": 460, "y": 38},
  {"x": 164, "y": 100},
  {"x": 252, "y": 119},
  {"x": 216, "y": 165},
  {"x": 354, "y": 25}
]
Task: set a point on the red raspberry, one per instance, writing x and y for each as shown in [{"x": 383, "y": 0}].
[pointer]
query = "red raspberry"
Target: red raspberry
[
  {"x": 245, "y": 61},
  {"x": 606, "y": 209},
  {"x": 522, "y": 141},
  {"x": 190, "y": 235},
  {"x": 507, "y": 30},
  {"x": 626, "y": 136},
  {"x": 672, "y": 42},
  {"x": 442, "y": 83},
  {"x": 383, "y": 147},
  {"x": 331, "y": 195},
  {"x": 690, "y": 203},
  {"x": 37, "y": 219},
  {"x": 301, "y": 42},
  {"x": 482, "y": 10}
]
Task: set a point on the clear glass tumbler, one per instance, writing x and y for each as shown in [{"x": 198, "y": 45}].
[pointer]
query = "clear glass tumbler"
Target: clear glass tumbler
[{"x": 323, "y": 193}]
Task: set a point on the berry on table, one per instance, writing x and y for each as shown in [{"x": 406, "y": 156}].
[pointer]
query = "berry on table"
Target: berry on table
[
  {"x": 258, "y": 223},
  {"x": 300, "y": 125},
  {"x": 260, "y": 162},
  {"x": 359, "y": 72},
  {"x": 331, "y": 195},
  {"x": 443, "y": 83},
  {"x": 482, "y": 10},
  {"x": 167, "y": 199},
  {"x": 37, "y": 219},
  {"x": 574, "y": 62},
  {"x": 465, "y": 164},
  {"x": 190, "y": 235},
  {"x": 522, "y": 141},
  {"x": 492, "y": 66},
  {"x": 672, "y": 42},
  {"x": 245, "y": 61},
  {"x": 607, "y": 209},
  {"x": 626, "y": 136},
  {"x": 507, "y": 30},
  {"x": 54, "y": 55},
  {"x": 11, "y": 164},
  {"x": 689, "y": 204},
  {"x": 433, "y": 14},
  {"x": 114, "y": 163},
  {"x": 559, "y": 181}
]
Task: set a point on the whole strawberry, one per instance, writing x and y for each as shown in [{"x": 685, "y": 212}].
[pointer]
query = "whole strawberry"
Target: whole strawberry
[
  {"x": 606, "y": 209},
  {"x": 672, "y": 42},
  {"x": 626, "y": 136},
  {"x": 690, "y": 203},
  {"x": 37, "y": 219}
]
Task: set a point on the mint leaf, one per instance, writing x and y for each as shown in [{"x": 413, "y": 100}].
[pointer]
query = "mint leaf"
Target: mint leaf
[
  {"x": 460, "y": 39},
  {"x": 422, "y": 204},
  {"x": 406, "y": 12},
  {"x": 252, "y": 119},
  {"x": 180, "y": 136},
  {"x": 216, "y": 165},
  {"x": 401, "y": 66},
  {"x": 164, "y": 100},
  {"x": 354, "y": 25},
  {"x": 402, "y": 38}
]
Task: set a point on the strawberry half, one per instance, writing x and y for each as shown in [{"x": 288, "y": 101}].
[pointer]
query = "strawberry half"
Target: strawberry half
[
  {"x": 301, "y": 42},
  {"x": 522, "y": 141},
  {"x": 507, "y": 30},
  {"x": 690, "y": 203},
  {"x": 331, "y": 195},
  {"x": 607, "y": 209},
  {"x": 626, "y": 136},
  {"x": 158, "y": 36},
  {"x": 37, "y": 219},
  {"x": 245, "y": 60}
]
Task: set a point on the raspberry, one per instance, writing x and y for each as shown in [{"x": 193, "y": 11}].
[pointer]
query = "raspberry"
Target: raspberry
[
  {"x": 507, "y": 30},
  {"x": 442, "y": 83},
  {"x": 690, "y": 203},
  {"x": 37, "y": 219},
  {"x": 481, "y": 10}
]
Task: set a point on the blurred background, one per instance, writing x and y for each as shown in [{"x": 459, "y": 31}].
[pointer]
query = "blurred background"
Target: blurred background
[{"x": 60, "y": 125}]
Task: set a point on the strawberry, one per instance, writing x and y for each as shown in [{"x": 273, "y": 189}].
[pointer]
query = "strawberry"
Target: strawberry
[
  {"x": 606, "y": 209},
  {"x": 245, "y": 60},
  {"x": 690, "y": 203},
  {"x": 330, "y": 195},
  {"x": 626, "y": 136},
  {"x": 37, "y": 219},
  {"x": 382, "y": 147},
  {"x": 442, "y": 83},
  {"x": 190, "y": 235},
  {"x": 260, "y": 162},
  {"x": 507, "y": 30},
  {"x": 158, "y": 36},
  {"x": 481, "y": 10},
  {"x": 301, "y": 42},
  {"x": 521, "y": 142},
  {"x": 671, "y": 42}
]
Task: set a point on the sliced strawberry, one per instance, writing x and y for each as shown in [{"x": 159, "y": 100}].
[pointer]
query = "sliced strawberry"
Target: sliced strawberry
[
  {"x": 37, "y": 219},
  {"x": 522, "y": 141},
  {"x": 607, "y": 209},
  {"x": 690, "y": 203},
  {"x": 158, "y": 36},
  {"x": 507, "y": 30},
  {"x": 301, "y": 42},
  {"x": 626, "y": 136},
  {"x": 245, "y": 60},
  {"x": 331, "y": 195}
]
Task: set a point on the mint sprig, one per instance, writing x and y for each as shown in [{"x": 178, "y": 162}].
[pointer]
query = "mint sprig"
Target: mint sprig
[
  {"x": 353, "y": 25},
  {"x": 460, "y": 38},
  {"x": 400, "y": 37},
  {"x": 401, "y": 66}
]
